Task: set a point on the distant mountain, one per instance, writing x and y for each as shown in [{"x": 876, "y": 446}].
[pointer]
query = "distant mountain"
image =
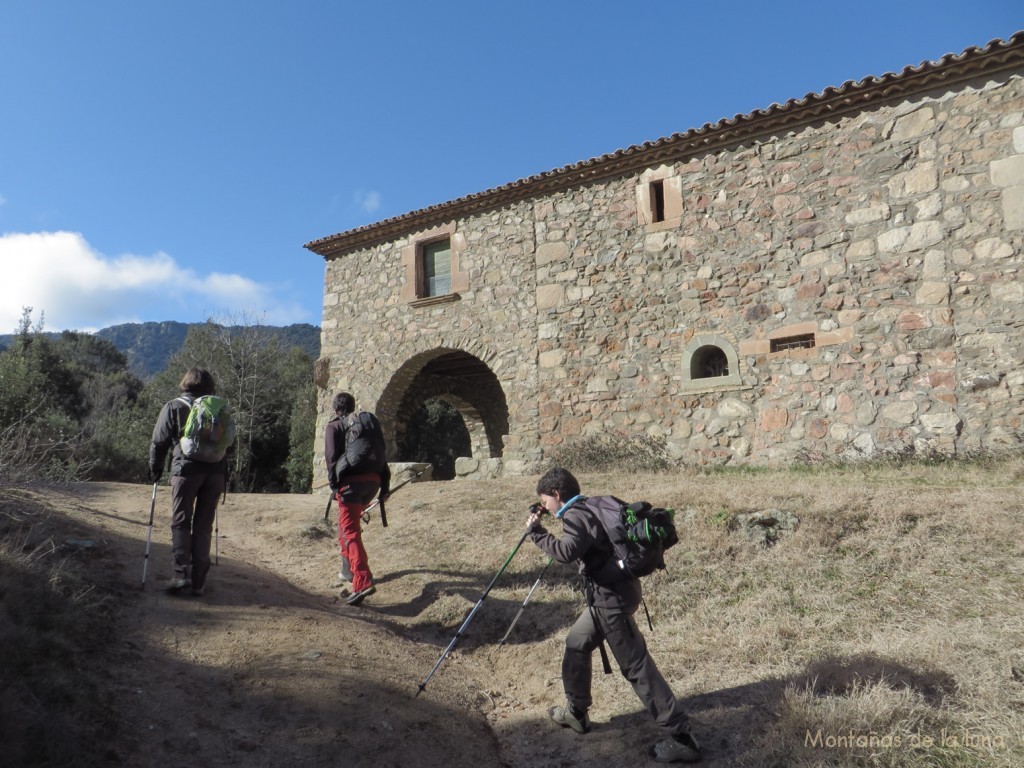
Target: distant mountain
[{"x": 148, "y": 346}]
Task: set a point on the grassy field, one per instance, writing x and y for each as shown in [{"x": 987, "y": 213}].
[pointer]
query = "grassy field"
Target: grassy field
[
  {"x": 881, "y": 626},
  {"x": 885, "y": 630}
]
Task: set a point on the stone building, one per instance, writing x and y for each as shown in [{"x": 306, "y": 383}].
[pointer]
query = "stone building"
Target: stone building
[{"x": 836, "y": 276}]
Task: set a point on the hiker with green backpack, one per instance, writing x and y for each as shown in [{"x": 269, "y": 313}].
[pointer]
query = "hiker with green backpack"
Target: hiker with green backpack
[
  {"x": 197, "y": 428},
  {"x": 613, "y": 595}
]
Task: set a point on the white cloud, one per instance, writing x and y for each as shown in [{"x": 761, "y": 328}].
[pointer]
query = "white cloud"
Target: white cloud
[
  {"x": 368, "y": 201},
  {"x": 77, "y": 288}
]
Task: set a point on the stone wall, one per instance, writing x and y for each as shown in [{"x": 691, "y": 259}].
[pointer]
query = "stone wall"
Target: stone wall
[
  {"x": 891, "y": 237},
  {"x": 894, "y": 233}
]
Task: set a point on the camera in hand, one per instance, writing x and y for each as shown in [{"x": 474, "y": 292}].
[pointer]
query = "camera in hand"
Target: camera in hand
[{"x": 537, "y": 508}]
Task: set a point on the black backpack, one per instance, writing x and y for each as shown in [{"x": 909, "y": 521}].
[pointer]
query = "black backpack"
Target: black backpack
[
  {"x": 639, "y": 533},
  {"x": 365, "y": 451}
]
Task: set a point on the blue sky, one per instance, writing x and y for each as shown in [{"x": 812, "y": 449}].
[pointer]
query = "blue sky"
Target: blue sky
[{"x": 167, "y": 161}]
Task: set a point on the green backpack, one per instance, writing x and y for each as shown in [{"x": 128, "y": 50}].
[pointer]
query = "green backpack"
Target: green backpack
[{"x": 209, "y": 430}]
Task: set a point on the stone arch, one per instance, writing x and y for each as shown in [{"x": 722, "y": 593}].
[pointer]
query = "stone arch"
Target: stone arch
[
  {"x": 462, "y": 380},
  {"x": 710, "y": 362}
]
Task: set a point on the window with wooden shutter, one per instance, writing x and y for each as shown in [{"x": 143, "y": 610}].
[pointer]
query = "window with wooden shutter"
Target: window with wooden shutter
[{"x": 437, "y": 268}]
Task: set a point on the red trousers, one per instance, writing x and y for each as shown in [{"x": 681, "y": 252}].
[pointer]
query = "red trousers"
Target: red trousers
[{"x": 350, "y": 542}]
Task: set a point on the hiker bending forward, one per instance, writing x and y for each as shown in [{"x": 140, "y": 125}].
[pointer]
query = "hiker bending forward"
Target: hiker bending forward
[
  {"x": 611, "y": 603},
  {"x": 196, "y": 486},
  {"x": 356, "y": 469}
]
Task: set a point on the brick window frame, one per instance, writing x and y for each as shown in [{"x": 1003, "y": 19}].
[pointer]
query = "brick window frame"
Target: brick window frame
[
  {"x": 413, "y": 290},
  {"x": 659, "y": 199},
  {"x": 775, "y": 344}
]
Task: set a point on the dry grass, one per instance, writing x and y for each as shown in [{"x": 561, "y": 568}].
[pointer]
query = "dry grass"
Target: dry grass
[
  {"x": 53, "y": 617},
  {"x": 884, "y": 631}
]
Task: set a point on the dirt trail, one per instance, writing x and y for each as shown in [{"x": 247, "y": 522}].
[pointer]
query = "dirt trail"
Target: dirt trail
[{"x": 271, "y": 668}]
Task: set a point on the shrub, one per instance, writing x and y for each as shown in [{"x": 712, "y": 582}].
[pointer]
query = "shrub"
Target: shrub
[{"x": 616, "y": 450}]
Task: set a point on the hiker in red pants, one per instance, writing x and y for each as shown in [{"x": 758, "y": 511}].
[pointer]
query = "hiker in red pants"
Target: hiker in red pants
[{"x": 357, "y": 469}]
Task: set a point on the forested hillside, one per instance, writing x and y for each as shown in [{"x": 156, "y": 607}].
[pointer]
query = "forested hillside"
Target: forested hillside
[
  {"x": 149, "y": 346},
  {"x": 75, "y": 407}
]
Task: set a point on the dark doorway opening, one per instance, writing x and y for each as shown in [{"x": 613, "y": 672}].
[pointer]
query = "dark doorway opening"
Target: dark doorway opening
[{"x": 436, "y": 434}]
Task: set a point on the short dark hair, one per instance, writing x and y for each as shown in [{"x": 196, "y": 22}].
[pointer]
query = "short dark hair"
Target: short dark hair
[
  {"x": 561, "y": 480},
  {"x": 344, "y": 403},
  {"x": 197, "y": 381}
]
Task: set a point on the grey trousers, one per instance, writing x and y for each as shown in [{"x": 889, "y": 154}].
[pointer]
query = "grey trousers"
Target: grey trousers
[
  {"x": 629, "y": 648},
  {"x": 193, "y": 510}
]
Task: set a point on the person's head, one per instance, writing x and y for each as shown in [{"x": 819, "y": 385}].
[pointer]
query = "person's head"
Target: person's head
[
  {"x": 555, "y": 487},
  {"x": 344, "y": 403},
  {"x": 197, "y": 381}
]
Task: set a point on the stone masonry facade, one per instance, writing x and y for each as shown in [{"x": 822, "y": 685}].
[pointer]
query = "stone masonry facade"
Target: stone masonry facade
[{"x": 834, "y": 278}]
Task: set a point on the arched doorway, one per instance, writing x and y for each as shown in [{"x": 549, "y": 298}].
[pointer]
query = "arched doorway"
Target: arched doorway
[
  {"x": 437, "y": 435},
  {"x": 465, "y": 386}
]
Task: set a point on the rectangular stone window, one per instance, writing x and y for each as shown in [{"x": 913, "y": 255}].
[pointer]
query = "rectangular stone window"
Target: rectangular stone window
[
  {"x": 800, "y": 341},
  {"x": 657, "y": 197},
  {"x": 432, "y": 266},
  {"x": 436, "y": 268}
]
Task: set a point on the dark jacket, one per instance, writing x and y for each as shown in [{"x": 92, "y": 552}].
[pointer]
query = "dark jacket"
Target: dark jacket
[
  {"x": 354, "y": 445},
  {"x": 585, "y": 542},
  {"x": 166, "y": 434}
]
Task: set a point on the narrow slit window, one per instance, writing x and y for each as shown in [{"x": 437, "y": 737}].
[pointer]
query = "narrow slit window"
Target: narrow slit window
[
  {"x": 657, "y": 200},
  {"x": 803, "y": 341},
  {"x": 437, "y": 268}
]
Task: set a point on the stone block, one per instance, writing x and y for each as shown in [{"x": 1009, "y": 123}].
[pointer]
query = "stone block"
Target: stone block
[
  {"x": 550, "y": 296},
  {"x": 549, "y": 252},
  {"x": 1008, "y": 172},
  {"x": 868, "y": 215},
  {"x": 914, "y": 182},
  {"x": 932, "y": 293},
  {"x": 1009, "y": 292},
  {"x": 924, "y": 234},
  {"x": 993, "y": 248},
  {"x": 942, "y": 423},
  {"x": 733, "y": 409},
  {"x": 913, "y": 125},
  {"x": 1012, "y": 200},
  {"x": 902, "y": 412},
  {"x": 774, "y": 418},
  {"x": 552, "y": 358}
]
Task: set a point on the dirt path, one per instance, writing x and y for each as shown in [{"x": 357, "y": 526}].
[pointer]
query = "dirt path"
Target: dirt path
[{"x": 271, "y": 668}]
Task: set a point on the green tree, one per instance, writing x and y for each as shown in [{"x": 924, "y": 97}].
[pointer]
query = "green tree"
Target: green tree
[
  {"x": 302, "y": 430},
  {"x": 437, "y": 434},
  {"x": 261, "y": 382},
  {"x": 40, "y": 409}
]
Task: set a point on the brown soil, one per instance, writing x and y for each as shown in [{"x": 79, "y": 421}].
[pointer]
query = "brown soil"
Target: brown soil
[{"x": 271, "y": 668}]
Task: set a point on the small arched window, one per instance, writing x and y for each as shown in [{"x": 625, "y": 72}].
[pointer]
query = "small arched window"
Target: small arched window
[{"x": 710, "y": 362}]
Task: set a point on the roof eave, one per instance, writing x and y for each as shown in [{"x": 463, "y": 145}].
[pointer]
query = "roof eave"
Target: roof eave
[{"x": 997, "y": 56}]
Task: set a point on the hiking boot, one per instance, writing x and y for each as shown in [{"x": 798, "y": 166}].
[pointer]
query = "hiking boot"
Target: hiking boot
[
  {"x": 357, "y": 597},
  {"x": 175, "y": 586},
  {"x": 198, "y": 591},
  {"x": 569, "y": 717},
  {"x": 681, "y": 748}
]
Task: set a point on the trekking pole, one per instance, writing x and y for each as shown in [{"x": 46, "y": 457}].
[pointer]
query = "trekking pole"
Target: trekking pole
[
  {"x": 327, "y": 509},
  {"x": 375, "y": 502},
  {"x": 472, "y": 613},
  {"x": 149, "y": 535},
  {"x": 528, "y": 596},
  {"x": 216, "y": 536}
]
